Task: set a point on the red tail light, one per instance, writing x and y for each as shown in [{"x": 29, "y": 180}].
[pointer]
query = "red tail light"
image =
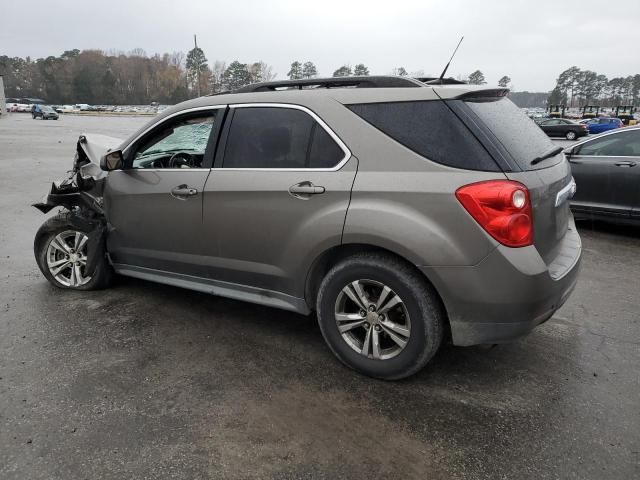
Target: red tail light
[{"x": 502, "y": 208}]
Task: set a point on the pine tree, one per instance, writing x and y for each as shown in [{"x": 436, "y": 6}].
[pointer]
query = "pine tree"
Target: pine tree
[
  {"x": 296, "y": 71},
  {"x": 236, "y": 75},
  {"x": 476, "y": 78},
  {"x": 196, "y": 68},
  {"x": 343, "y": 71},
  {"x": 360, "y": 70},
  {"x": 504, "y": 81},
  {"x": 309, "y": 70}
]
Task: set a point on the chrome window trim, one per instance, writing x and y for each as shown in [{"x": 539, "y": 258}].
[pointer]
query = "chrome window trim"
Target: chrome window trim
[
  {"x": 169, "y": 117},
  {"x": 605, "y": 156},
  {"x": 312, "y": 114}
]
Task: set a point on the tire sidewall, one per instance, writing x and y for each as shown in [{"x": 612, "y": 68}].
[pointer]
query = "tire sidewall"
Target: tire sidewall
[{"x": 425, "y": 332}]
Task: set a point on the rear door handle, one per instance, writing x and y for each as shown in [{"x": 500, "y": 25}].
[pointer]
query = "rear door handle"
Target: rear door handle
[
  {"x": 625, "y": 163},
  {"x": 183, "y": 191},
  {"x": 304, "y": 189}
]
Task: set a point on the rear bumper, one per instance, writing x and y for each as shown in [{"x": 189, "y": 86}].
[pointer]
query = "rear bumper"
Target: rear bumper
[{"x": 507, "y": 294}]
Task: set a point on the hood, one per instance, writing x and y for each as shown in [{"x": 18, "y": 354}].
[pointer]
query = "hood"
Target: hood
[{"x": 95, "y": 145}]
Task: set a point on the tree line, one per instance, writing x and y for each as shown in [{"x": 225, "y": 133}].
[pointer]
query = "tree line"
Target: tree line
[
  {"x": 133, "y": 78},
  {"x": 576, "y": 87}
]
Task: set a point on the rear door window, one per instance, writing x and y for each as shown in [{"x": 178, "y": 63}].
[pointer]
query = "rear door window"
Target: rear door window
[
  {"x": 430, "y": 129},
  {"x": 625, "y": 144},
  {"x": 279, "y": 137}
]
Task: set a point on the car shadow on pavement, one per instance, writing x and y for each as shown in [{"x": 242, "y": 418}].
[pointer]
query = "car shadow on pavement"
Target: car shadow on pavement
[{"x": 613, "y": 228}]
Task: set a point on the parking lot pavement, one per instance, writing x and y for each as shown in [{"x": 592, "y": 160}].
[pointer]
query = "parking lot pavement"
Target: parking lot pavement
[{"x": 150, "y": 381}]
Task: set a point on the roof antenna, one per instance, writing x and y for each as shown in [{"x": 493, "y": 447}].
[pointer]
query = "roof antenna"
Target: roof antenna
[{"x": 439, "y": 81}]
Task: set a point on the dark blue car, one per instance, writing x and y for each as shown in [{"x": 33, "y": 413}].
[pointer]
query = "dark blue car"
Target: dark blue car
[{"x": 599, "y": 125}]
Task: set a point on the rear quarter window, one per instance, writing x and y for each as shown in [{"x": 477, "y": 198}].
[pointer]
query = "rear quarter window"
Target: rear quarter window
[{"x": 430, "y": 129}]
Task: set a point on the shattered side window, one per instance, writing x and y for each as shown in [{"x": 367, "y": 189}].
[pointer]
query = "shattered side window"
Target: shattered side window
[{"x": 188, "y": 137}]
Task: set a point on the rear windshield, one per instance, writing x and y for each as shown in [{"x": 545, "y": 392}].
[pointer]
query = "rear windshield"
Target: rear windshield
[
  {"x": 517, "y": 133},
  {"x": 430, "y": 129}
]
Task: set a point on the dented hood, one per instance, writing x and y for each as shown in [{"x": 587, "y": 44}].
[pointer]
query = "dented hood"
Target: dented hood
[{"x": 95, "y": 145}]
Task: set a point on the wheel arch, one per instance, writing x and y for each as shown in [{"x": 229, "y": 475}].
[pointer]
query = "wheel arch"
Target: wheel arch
[{"x": 330, "y": 257}]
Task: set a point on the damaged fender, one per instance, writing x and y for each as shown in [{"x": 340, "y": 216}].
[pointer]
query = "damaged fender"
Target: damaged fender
[{"x": 81, "y": 194}]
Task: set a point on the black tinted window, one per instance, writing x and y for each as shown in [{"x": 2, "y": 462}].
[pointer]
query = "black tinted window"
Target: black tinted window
[
  {"x": 519, "y": 136},
  {"x": 625, "y": 144},
  {"x": 271, "y": 137},
  {"x": 430, "y": 129},
  {"x": 324, "y": 152}
]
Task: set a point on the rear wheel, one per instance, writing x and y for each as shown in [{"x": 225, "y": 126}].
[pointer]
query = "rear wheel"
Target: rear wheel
[
  {"x": 379, "y": 316},
  {"x": 60, "y": 249},
  {"x": 570, "y": 135}
]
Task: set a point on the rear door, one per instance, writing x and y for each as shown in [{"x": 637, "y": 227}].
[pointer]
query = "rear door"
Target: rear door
[
  {"x": 551, "y": 127},
  {"x": 277, "y": 197}
]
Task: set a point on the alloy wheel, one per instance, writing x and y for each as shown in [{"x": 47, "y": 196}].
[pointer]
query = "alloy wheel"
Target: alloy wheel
[
  {"x": 67, "y": 258},
  {"x": 372, "y": 319}
]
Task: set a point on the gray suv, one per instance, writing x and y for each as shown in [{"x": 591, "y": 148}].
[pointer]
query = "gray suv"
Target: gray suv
[{"x": 403, "y": 213}]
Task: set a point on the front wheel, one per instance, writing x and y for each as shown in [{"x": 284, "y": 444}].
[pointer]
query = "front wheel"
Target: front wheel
[
  {"x": 379, "y": 316},
  {"x": 61, "y": 251},
  {"x": 570, "y": 135}
]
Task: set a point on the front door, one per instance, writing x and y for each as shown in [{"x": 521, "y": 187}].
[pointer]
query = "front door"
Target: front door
[
  {"x": 154, "y": 205},
  {"x": 279, "y": 197}
]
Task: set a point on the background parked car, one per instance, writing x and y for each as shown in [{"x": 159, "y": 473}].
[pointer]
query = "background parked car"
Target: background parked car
[
  {"x": 607, "y": 174},
  {"x": 600, "y": 125},
  {"x": 562, "y": 127},
  {"x": 44, "y": 112}
]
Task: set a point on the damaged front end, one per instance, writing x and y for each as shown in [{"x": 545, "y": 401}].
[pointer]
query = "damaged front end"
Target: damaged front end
[{"x": 81, "y": 194}]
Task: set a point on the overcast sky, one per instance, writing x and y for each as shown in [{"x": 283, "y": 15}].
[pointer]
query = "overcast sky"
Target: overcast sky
[{"x": 531, "y": 41}]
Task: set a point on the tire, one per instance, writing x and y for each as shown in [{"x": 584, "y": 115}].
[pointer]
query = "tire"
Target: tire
[
  {"x": 570, "y": 135},
  {"x": 59, "y": 227},
  {"x": 419, "y": 314}
]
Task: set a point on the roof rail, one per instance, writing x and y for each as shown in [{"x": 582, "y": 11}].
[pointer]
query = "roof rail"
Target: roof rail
[
  {"x": 358, "y": 82},
  {"x": 440, "y": 81}
]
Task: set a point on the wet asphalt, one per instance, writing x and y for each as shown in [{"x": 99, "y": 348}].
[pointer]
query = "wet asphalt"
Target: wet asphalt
[{"x": 149, "y": 381}]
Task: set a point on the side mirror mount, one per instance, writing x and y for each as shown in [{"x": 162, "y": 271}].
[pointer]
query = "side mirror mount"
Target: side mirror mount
[{"x": 112, "y": 161}]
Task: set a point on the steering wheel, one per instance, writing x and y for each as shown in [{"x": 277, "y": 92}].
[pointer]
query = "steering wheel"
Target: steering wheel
[{"x": 180, "y": 159}]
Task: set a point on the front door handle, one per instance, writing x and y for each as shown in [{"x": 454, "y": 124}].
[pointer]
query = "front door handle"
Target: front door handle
[
  {"x": 182, "y": 191},
  {"x": 625, "y": 163},
  {"x": 305, "y": 189}
]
